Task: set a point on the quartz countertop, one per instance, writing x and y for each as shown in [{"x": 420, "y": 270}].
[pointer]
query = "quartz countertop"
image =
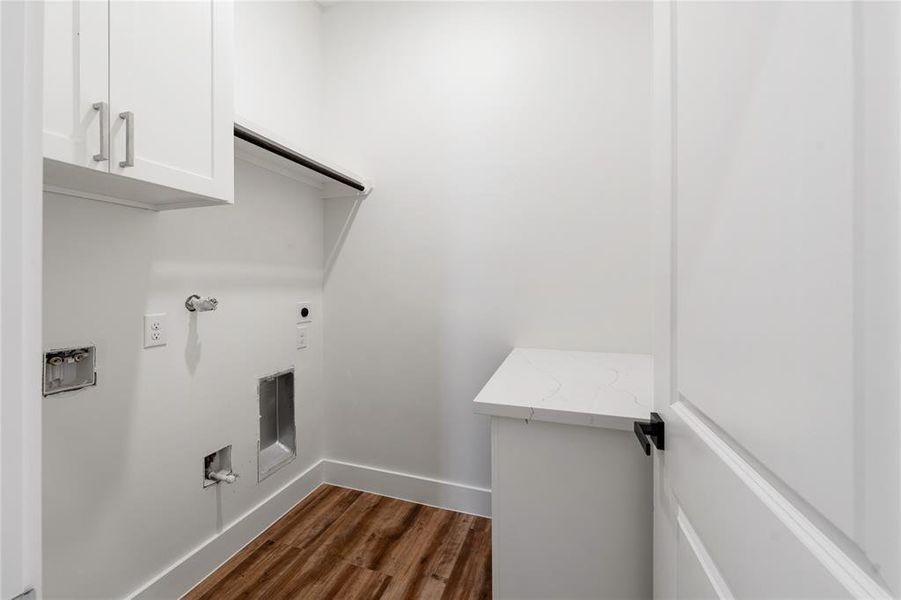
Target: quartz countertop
[{"x": 595, "y": 389}]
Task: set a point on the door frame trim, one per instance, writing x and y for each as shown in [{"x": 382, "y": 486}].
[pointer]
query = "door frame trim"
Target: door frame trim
[{"x": 21, "y": 248}]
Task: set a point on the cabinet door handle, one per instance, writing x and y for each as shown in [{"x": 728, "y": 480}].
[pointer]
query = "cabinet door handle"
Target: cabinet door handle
[
  {"x": 129, "y": 139},
  {"x": 104, "y": 131}
]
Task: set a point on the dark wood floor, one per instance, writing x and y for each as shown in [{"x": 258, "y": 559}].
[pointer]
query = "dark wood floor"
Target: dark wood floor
[{"x": 341, "y": 543}]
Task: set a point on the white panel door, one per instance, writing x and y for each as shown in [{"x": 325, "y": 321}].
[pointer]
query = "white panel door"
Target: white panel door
[
  {"x": 76, "y": 78},
  {"x": 170, "y": 67},
  {"x": 776, "y": 168}
]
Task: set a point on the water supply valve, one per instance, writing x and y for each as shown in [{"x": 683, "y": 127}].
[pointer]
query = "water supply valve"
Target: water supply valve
[
  {"x": 196, "y": 303},
  {"x": 222, "y": 476}
]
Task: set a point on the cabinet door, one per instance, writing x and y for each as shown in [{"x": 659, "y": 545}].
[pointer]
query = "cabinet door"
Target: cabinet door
[
  {"x": 171, "y": 68},
  {"x": 76, "y": 70}
]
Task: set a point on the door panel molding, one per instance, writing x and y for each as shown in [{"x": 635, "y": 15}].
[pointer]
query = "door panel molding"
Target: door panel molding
[
  {"x": 708, "y": 565},
  {"x": 835, "y": 561}
]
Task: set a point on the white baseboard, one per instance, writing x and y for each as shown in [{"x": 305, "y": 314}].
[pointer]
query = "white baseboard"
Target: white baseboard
[
  {"x": 192, "y": 568},
  {"x": 423, "y": 490}
]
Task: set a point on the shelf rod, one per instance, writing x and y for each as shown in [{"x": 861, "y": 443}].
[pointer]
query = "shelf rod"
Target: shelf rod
[{"x": 265, "y": 143}]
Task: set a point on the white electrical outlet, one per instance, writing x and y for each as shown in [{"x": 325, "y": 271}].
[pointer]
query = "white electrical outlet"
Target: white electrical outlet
[
  {"x": 304, "y": 312},
  {"x": 301, "y": 337},
  {"x": 155, "y": 330}
]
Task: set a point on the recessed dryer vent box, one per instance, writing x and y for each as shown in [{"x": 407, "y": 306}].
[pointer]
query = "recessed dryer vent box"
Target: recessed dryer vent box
[
  {"x": 68, "y": 369},
  {"x": 277, "y": 446}
]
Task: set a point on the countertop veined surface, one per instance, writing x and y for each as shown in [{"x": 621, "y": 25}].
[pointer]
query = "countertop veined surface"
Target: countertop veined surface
[{"x": 595, "y": 389}]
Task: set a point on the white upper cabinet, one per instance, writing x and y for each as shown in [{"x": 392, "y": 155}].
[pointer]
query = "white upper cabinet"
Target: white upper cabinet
[
  {"x": 76, "y": 78},
  {"x": 170, "y": 66},
  {"x": 160, "y": 74}
]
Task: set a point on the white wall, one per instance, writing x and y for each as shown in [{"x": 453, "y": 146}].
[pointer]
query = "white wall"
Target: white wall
[
  {"x": 123, "y": 461},
  {"x": 509, "y": 144},
  {"x": 278, "y": 68}
]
